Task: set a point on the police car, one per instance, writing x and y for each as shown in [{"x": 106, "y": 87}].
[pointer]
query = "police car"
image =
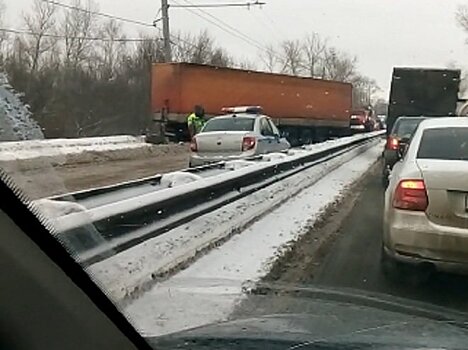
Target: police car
[{"x": 240, "y": 133}]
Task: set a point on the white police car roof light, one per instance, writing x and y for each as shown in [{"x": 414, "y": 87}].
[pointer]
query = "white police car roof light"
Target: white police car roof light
[{"x": 243, "y": 109}]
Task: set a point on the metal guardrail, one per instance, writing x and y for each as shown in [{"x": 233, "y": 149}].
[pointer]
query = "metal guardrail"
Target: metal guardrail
[
  {"x": 88, "y": 193},
  {"x": 122, "y": 226}
]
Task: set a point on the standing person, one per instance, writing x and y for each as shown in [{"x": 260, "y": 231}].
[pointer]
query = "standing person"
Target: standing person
[{"x": 196, "y": 121}]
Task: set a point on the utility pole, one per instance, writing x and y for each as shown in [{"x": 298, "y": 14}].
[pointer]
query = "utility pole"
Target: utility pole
[{"x": 166, "y": 31}]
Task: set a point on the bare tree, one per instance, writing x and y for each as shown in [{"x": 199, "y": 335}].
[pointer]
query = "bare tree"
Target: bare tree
[
  {"x": 200, "y": 49},
  {"x": 363, "y": 89},
  {"x": 338, "y": 65},
  {"x": 193, "y": 48},
  {"x": 291, "y": 58},
  {"x": 77, "y": 25},
  {"x": 314, "y": 49},
  {"x": 112, "y": 48},
  {"x": 220, "y": 58},
  {"x": 461, "y": 16},
  {"x": 246, "y": 64},
  {"x": 41, "y": 21},
  {"x": 3, "y": 35},
  {"x": 183, "y": 46},
  {"x": 150, "y": 48},
  {"x": 270, "y": 58}
]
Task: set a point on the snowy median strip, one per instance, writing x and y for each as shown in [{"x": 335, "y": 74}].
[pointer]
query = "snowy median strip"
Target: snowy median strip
[
  {"x": 199, "y": 295},
  {"x": 134, "y": 270}
]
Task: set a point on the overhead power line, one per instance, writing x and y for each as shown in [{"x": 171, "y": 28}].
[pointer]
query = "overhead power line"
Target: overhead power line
[
  {"x": 63, "y": 37},
  {"x": 102, "y": 14},
  {"x": 247, "y": 4},
  {"x": 224, "y": 26},
  {"x": 235, "y": 32},
  {"x": 233, "y": 29},
  {"x": 118, "y": 18}
]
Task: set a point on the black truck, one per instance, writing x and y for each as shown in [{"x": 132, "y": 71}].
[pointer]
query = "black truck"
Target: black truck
[
  {"x": 417, "y": 93},
  {"x": 423, "y": 92}
]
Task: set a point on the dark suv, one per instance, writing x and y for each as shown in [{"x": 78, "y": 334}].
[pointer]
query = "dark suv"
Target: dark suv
[{"x": 397, "y": 139}]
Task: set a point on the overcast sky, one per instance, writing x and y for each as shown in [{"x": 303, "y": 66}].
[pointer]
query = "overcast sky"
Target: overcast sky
[{"x": 381, "y": 33}]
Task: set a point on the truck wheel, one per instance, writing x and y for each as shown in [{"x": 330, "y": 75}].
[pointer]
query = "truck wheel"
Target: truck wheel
[{"x": 306, "y": 137}]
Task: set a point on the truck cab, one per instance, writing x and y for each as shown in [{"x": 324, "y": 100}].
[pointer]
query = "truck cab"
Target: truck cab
[{"x": 361, "y": 121}]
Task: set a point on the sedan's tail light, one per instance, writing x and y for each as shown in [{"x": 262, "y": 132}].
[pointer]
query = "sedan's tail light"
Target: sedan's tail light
[
  {"x": 193, "y": 145},
  {"x": 248, "y": 143},
  {"x": 411, "y": 195},
  {"x": 393, "y": 143}
]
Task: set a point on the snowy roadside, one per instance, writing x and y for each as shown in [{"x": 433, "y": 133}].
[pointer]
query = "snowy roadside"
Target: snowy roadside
[
  {"x": 20, "y": 150},
  {"x": 34, "y": 154},
  {"x": 129, "y": 273},
  {"x": 209, "y": 289}
]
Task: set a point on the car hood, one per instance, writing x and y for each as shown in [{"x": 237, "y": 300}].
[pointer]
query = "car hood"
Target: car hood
[{"x": 337, "y": 319}]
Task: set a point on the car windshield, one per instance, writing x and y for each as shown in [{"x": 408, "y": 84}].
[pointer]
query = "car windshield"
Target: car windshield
[
  {"x": 230, "y": 124},
  {"x": 444, "y": 143},
  {"x": 405, "y": 128},
  {"x": 213, "y": 161}
]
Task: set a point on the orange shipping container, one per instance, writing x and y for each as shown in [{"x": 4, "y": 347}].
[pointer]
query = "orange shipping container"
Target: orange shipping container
[{"x": 289, "y": 100}]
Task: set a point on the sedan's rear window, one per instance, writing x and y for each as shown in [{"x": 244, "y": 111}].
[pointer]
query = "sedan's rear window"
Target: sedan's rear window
[
  {"x": 444, "y": 143},
  {"x": 405, "y": 128},
  {"x": 230, "y": 124}
]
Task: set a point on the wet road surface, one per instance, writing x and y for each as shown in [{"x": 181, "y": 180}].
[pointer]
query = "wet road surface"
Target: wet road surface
[
  {"x": 343, "y": 252},
  {"x": 354, "y": 259}
]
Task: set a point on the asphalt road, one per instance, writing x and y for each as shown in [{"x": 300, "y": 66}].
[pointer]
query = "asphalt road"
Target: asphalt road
[
  {"x": 353, "y": 260},
  {"x": 343, "y": 251}
]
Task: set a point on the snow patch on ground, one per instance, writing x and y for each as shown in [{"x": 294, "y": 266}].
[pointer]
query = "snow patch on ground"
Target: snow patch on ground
[
  {"x": 296, "y": 151},
  {"x": 199, "y": 295},
  {"x": 274, "y": 156},
  {"x": 237, "y": 164},
  {"x": 178, "y": 178},
  {"x": 54, "y": 209}
]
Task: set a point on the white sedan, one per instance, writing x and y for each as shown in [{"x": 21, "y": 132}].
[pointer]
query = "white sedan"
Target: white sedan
[
  {"x": 242, "y": 133},
  {"x": 426, "y": 202}
]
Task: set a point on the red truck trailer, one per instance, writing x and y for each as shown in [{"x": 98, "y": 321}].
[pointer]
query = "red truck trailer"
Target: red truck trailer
[{"x": 304, "y": 109}]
